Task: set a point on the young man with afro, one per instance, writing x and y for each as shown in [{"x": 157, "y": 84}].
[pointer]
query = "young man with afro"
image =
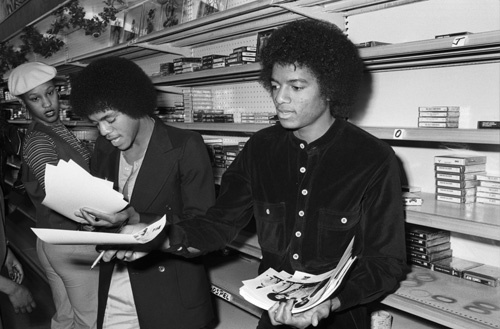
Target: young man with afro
[
  {"x": 159, "y": 169},
  {"x": 313, "y": 182}
]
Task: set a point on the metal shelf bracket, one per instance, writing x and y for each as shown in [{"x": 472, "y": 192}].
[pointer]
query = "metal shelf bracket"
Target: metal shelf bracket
[{"x": 165, "y": 48}]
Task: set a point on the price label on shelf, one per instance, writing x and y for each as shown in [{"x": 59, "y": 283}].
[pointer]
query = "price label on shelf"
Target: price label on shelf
[{"x": 399, "y": 134}]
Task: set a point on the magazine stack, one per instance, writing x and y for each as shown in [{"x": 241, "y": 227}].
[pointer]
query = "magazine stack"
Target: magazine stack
[{"x": 305, "y": 289}]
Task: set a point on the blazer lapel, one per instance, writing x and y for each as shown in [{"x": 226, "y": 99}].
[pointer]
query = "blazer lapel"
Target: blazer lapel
[{"x": 156, "y": 167}]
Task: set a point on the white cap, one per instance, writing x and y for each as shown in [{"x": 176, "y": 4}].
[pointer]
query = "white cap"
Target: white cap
[{"x": 28, "y": 76}]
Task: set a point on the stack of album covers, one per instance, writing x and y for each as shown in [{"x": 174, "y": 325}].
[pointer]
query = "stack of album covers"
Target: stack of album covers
[
  {"x": 456, "y": 177},
  {"x": 438, "y": 116},
  {"x": 488, "y": 190},
  {"x": 425, "y": 245},
  {"x": 305, "y": 289}
]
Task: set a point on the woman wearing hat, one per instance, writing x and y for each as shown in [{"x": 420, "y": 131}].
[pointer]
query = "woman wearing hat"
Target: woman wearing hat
[{"x": 73, "y": 285}]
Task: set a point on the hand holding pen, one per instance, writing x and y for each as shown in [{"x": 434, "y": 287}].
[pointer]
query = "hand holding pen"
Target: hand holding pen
[{"x": 118, "y": 230}]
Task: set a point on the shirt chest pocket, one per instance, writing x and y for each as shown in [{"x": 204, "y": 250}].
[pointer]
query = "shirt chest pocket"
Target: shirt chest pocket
[
  {"x": 270, "y": 220},
  {"x": 335, "y": 231}
]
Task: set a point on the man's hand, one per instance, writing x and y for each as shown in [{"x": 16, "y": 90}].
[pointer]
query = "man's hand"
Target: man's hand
[
  {"x": 21, "y": 299},
  {"x": 100, "y": 219},
  {"x": 19, "y": 296},
  {"x": 126, "y": 255},
  {"x": 281, "y": 313},
  {"x": 14, "y": 267}
]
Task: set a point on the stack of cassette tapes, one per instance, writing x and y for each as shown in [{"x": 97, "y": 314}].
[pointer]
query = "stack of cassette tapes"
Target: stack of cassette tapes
[
  {"x": 488, "y": 190},
  {"x": 196, "y": 100},
  {"x": 454, "y": 266},
  {"x": 258, "y": 117},
  {"x": 186, "y": 64},
  {"x": 456, "y": 177},
  {"x": 242, "y": 55},
  {"x": 425, "y": 245},
  {"x": 438, "y": 116},
  {"x": 213, "y": 61}
]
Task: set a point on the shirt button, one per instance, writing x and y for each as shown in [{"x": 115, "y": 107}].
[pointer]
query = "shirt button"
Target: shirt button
[
  {"x": 295, "y": 256},
  {"x": 268, "y": 211},
  {"x": 298, "y": 234},
  {"x": 301, "y": 213},
  {"x": 302, "y": 146},
  {"x": 304, "y": 192},
  {"x": 302, "y": 169},
  {"x": 343, "y": 220},
  {"x": 161, "y": 268}
]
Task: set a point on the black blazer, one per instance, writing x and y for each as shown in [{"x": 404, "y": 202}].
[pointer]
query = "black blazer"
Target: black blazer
[{"x": 175, "y": 174}]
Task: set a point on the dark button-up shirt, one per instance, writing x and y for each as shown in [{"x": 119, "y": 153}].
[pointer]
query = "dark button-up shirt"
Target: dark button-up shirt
[{"x": 309, "y": 201}]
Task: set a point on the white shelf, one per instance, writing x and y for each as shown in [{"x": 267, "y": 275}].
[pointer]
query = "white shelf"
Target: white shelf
[
  {"x": 418, "y": 294},
  {"x": 479, "y": 136},
  {"x": 447, "y": 300},
  {"x": 476, "y": 219}
]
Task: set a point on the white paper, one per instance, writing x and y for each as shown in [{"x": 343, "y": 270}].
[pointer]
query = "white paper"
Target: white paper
[
  {"x": 306, "y": 289},
  {"x": 68, "y": 188},
  {"x": 54, "y": 236}
]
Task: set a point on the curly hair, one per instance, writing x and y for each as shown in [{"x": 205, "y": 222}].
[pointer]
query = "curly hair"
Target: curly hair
[
  {"x": 326, "y": 51},
  {"x": 113, "y": 83}
]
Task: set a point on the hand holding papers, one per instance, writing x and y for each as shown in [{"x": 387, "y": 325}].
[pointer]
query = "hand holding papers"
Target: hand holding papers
[
  {"x": 68, "y": 187},
  {"x": 308, "y": 290}
]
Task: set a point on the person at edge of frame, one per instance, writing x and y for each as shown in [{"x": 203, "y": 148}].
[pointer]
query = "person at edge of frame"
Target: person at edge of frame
[
  {"x": 159, "y": 169},
  {"x": 313, "y": 182},
  {"x": 20, "y": 297},
  {"x": 47, "y": 140}
]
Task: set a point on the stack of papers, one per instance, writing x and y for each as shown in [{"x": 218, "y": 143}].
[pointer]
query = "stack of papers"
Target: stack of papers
[
  {"x": 68, "y": 188},
  {"x": 306, "y": 289},
  {"x": 145, "y": 235}
]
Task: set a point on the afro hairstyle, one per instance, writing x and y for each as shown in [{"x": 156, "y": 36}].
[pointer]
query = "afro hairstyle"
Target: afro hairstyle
[
  {"x": 326, "y": 51},
  {"x": 113, "y": 83}
]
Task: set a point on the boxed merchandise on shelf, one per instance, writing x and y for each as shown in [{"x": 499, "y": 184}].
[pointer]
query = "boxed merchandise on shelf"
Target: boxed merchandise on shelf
[
  {"x": 485, "y": 274},
  {"x": 456, "y": 177},
  {"x": 459, "y": 160},
  {"x": 463, "y": 199},
  {"x": 186, "y": 64},
  {"x": 488, "y": 190},
  {"x": 454, "y": 266},
  {"x": 438, "y": 116},
  {"x": 431, "y": 257},
  {"x": 428, "y": 250},
  {"x": 213, "y": 61},
  {"x": 458, "y": 192},
  {"x": 425, "y": 245},
  {"x": 460, "y": 169},
  {"x": 412, "y": 199}
]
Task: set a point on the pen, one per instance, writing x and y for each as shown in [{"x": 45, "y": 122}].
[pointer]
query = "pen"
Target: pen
[{"x": 98, "y": 259}]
